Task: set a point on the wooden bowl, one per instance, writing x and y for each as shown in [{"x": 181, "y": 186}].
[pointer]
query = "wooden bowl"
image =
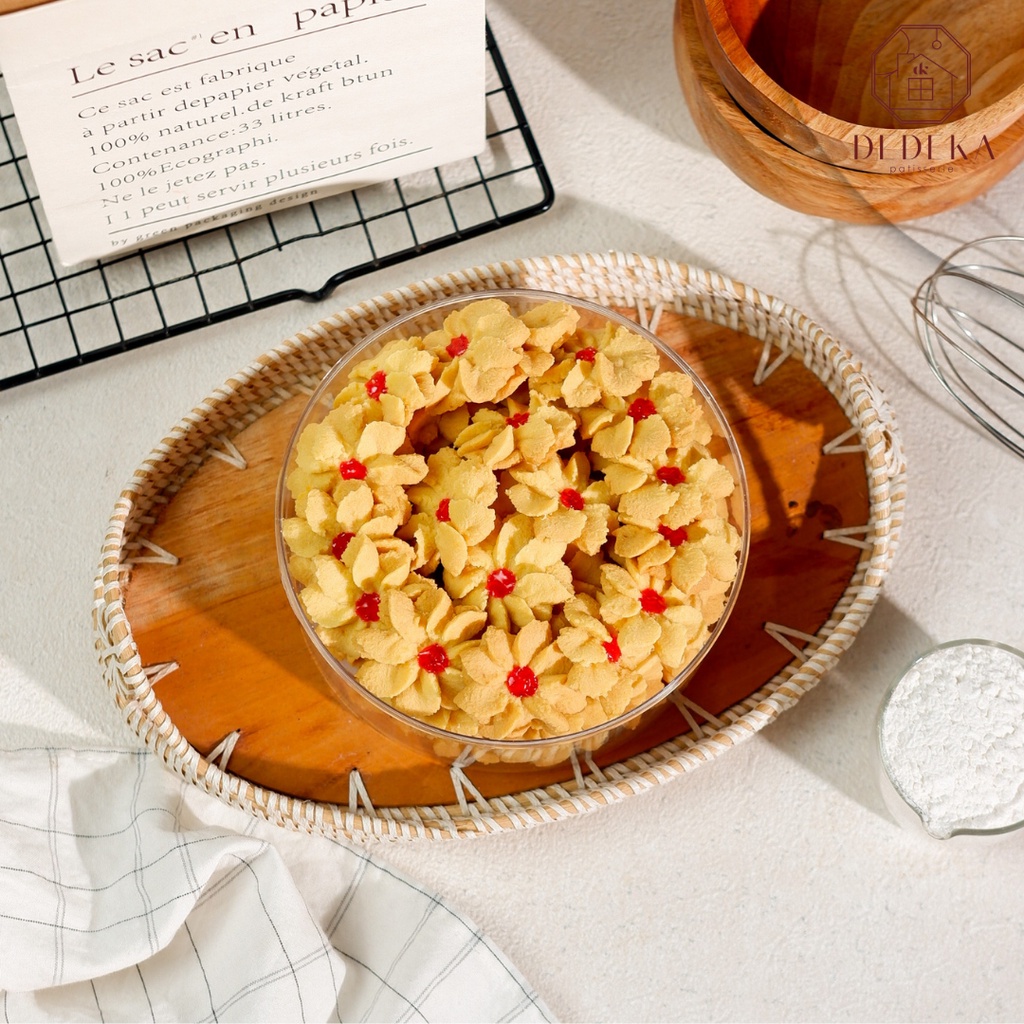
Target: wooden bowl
[
  {"x": 814, "y": 186},
  {"x": 875, "y": 85}
]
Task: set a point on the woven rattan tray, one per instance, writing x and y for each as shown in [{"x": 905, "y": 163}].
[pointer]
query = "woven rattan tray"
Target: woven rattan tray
[{"x": 204, "y": 659}]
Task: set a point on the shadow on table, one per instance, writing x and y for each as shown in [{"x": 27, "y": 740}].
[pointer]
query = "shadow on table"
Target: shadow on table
[
  {"x": 868, "y": 280},
  {"x": 833, "y": 733},
  {"x": 627, "y": 58}
]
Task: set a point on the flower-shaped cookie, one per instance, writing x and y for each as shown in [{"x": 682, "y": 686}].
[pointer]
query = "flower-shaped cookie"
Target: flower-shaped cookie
[
  {"x": 672, "y": 394},
  {"x": 328, "y": 525},
  {"x": 618, "y": 668},
  {"x": 613, "y": 362},
  {"x": 394, "y": 384},
  {"x": 347, "y": 589},
  {"x": 645, "y": 549},
  {"x": 566, "y": 505},
  {"x": 706, "y": 566},
  {"x": 550, "y": 324},
  {"x": 353, "y": 449},
  {"x": 626, "y": 594},
  {"x": 657, "y": 520},
  {"x": 667, "y": 497},
  {"x": 452, "y": 510},
  {"x": 664, "y": 415},
  {"x": 329, "y": 519},
  {"x": 515, "y": 575},
  {"x": 515, "y": 685},
  {"x": 587, "y": 640},
  {"x": 517, "y": 433},
  {"x": 480, "y": 350},
  {"x": 714, "y": 481},
  {"x": 633, "y": 428},
  {"x": 414, "y": 647}
]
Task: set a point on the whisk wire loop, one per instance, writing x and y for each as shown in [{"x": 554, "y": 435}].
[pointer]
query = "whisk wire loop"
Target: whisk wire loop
[{"x": 969, "y": 320}]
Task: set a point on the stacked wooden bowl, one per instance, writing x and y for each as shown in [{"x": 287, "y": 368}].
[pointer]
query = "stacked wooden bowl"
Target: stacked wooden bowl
[{"x": 857, "y": 110}]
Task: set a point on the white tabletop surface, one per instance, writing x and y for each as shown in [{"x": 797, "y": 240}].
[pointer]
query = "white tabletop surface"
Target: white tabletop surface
[{"x": 770, "y": 884}]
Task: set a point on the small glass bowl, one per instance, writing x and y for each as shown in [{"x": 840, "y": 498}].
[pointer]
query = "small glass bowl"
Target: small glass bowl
[
  {"x": 903, "y": 794},
  {"x": 442, "y": 744}
]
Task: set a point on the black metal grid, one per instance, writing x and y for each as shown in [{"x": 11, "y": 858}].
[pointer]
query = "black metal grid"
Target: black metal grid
[{"x": 53, "y": 318}]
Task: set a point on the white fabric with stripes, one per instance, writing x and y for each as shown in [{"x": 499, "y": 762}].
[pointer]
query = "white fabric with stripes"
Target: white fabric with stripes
[{"x": 127, "y": 894}]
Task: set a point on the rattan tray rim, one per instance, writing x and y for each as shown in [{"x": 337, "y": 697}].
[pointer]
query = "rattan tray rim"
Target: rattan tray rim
[{"x": 296, "y": 365}]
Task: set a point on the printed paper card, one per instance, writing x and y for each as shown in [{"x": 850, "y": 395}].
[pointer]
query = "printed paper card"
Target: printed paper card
[{"x": 145, "y": 120}]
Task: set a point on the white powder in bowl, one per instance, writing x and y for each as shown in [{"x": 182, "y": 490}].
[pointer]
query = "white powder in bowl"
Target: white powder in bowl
[{"x": 952, "y": 737}]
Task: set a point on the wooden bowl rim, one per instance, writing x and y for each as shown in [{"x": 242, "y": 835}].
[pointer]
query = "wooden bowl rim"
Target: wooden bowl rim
[
  {"x": 1009, "y": 108},
  {"x": 881, "y": 198}
]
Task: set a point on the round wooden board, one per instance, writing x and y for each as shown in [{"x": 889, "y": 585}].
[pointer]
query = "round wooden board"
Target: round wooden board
[{"x": 226, "y": 655}]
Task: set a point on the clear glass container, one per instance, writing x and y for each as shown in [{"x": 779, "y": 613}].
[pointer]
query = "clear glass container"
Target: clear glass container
[
  {"x": 442, "y": 744},
  {"x": 950, "y": 737}
]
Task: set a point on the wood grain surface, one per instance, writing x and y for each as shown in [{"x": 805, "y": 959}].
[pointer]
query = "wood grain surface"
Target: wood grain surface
[
  {"x": 222, "y": 616},
  {"x": 805, "y": 71},
  {"x": 818, "y": 187},
  {"x": 8, "y": 6}
]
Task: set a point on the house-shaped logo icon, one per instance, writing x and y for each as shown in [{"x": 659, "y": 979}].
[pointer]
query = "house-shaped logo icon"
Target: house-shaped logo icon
[{"x": 921, "y": 74}]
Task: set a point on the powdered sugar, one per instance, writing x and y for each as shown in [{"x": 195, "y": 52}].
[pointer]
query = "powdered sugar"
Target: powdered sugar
[{"x": 952, "y": 737}]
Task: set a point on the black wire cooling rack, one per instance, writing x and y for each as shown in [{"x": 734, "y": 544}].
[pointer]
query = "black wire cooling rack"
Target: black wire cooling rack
[{"x": 54, "y": 318}]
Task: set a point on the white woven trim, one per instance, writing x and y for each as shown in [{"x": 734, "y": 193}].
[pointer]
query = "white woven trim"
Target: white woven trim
[
  {"x": 158, "y": 670},
  {"x": 612, "y": 279},
  {"x": 357, "y": 793},
  {"x": 682, "y": 701},
  {"x": 785, "y": 635},
  {"x": 230, "y": 454},
  {"x": 221, "y": 753},
  {"x": 849, "y": 535},
  {"x": 766, "y": 366},
  {"x": 159, "y": 555},
  {"x": 837, "y": 447}
]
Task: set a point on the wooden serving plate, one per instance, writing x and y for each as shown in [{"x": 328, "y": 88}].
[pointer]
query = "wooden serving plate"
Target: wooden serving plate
[{"x": 208, "y": 648}]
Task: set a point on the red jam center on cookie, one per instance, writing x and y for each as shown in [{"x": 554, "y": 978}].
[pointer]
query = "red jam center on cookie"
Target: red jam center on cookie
[
  {"x": 521, "y": 681},
  {"x": 671, "y": 475},
  {"x": 517, "y": 419},
  {"x": 433, "y": 659},
  {"x": 457, "y": 346},
  {"x": 641, "y": 408},
  {"x": 587, "y": 355},
  {"x": 339, "y": 544},
  {"x": 651, "y": 601},
  {"x": 352, "y": 469},
  {"x": 571, "y": 499},
  {"x": 612, "y": 648},
  {"x": 368, "y": 607},
  {"x": 377, "y": 385},
  {"x": 443, "y": 513},
  {"x": 501, "y": 582},
  {"x": 674, "y": 537}
]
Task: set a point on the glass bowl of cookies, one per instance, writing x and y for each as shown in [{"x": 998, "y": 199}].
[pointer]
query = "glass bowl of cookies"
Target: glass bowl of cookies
[{"x": 511, "y": 525}]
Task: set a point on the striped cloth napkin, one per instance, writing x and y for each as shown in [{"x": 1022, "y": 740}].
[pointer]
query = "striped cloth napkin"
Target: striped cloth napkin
[{"x": 127, "y": 894}]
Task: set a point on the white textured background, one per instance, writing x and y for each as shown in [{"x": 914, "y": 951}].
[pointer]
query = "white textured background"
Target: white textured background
[{"x": 771, "y": 884}]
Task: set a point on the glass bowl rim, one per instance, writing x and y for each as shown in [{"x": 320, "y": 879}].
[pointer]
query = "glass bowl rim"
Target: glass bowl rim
[{"x": 345, "y": 671}]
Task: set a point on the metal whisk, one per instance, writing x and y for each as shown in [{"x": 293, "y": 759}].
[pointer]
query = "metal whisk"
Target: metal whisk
[{"x": 970, "y": 322}]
